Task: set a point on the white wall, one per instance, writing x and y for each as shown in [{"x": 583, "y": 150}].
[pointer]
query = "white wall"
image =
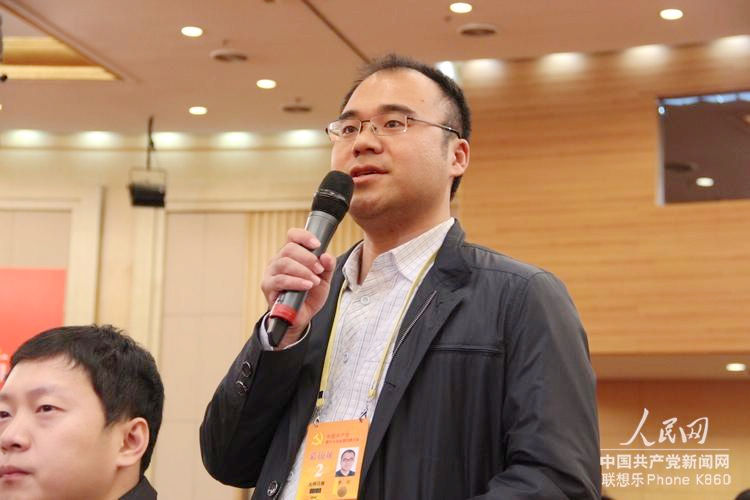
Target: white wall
[{"x": 200, "y": 177}]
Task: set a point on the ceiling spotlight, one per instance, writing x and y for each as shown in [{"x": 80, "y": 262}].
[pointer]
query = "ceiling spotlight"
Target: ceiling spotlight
[
  {"x": 704, "y": 181},
  {"x": 191, "y": 31},
  {"x": 197, "y": 110},
  {"x": 461, "y": 7},
  {"x": 671, "y": 14},
  {"x": 736, "y": 367},
  {"x": 266, "y": 84}
]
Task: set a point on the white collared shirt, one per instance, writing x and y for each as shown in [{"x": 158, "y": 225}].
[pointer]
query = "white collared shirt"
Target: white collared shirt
[{"x": 367, "y": 317}]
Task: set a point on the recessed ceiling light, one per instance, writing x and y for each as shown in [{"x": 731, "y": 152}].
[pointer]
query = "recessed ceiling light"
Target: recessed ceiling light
[
  {"x": 704, "y": 181},
  {"x": 671, "y": 14},
  {"x": 228, "y": 55},
  {"x": 266, "y": 83},
  {"x": 461, "y": 7},
  {"x": 197, "y": 110},
  {"x": 191, "y": 31},
  {"x": 477, "y": 29},
  {"x": 26, "y": 138},
  {"x": 736, "y": 367}
]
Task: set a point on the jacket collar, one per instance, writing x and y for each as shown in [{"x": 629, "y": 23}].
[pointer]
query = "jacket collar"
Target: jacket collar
[
  {"x": 451, "y": 269},
  {"x": 142, "y": 491}
]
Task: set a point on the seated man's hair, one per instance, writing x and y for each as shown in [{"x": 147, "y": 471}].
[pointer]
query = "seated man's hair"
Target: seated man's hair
[{"x": 123, "y": 374}]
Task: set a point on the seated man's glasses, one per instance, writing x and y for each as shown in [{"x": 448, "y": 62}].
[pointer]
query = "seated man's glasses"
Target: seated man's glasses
[{"x": 383, "y": 124}]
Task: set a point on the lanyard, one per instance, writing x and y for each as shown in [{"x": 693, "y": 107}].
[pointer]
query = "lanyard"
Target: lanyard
[{"x": 373, "y": 392}]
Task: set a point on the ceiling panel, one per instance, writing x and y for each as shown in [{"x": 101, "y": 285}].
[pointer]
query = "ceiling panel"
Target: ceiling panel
[{"x": 163, "y": 73}]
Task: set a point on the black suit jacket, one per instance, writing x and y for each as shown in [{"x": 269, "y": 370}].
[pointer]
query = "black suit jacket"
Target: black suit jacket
[{"x": 489, "y": 394}]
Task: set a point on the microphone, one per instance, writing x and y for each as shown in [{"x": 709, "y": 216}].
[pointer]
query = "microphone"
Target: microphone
[{"x": 329, "y": 206}]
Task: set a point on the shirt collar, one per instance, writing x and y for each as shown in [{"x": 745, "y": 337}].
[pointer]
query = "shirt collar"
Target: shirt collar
[{"x": 408, "y": 257}]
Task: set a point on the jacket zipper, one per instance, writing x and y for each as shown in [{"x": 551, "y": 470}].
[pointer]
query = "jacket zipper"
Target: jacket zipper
[{"x": 408, "y": 328}]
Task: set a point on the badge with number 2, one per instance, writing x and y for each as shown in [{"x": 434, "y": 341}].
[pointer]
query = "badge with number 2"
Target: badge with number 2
[{"x": 332, "y": 461}]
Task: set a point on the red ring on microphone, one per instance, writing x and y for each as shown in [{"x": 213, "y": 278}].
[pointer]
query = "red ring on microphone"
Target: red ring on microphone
[{"x": 282, "y": 311}]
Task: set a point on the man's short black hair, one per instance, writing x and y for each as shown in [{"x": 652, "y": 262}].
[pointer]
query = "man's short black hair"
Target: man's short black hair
[
  {"x": 123, "y": 374},
  {"x": 460, "y": 115}
]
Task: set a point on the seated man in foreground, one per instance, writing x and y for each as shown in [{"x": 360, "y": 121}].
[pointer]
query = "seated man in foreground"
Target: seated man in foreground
[{"x": 79, "y": 414}]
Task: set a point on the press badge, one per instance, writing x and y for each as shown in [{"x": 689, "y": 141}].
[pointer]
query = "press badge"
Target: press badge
[{"x": 332, "y": 461}]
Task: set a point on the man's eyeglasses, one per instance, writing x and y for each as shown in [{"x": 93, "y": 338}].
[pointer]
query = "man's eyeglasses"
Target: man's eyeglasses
[{"x": 384, "y": 124}]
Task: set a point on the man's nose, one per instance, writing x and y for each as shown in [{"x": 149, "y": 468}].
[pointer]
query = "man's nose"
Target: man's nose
[
  {"x": 13, "y": 436},
  {"x": 366, "y": 140}
]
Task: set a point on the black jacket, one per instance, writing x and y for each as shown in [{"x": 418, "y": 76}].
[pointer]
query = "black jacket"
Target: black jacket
[
  {"x": 490, "y": 393},
  {"x": 142, "y": 491}
]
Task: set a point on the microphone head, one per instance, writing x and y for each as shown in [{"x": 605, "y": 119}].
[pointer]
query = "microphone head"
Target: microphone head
[{"x": 334, "y": 194}]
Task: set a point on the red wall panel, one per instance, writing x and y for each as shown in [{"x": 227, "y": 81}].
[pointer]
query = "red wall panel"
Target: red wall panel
[{"x": 31, "y": 300}]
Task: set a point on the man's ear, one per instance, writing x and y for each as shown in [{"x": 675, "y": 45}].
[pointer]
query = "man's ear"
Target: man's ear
[
  {"x": 460, "y": 158},
  {"x": 134, "y": 441}
]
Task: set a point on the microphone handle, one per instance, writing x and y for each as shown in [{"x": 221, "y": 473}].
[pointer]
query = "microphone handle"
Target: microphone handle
[{"x": 284, "y": 310}]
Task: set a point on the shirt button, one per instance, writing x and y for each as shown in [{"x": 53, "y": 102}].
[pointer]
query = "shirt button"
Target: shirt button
[
  {"x": 273, "y": 487},
  {"x": 247, "y": 369},
  {"x": 346, "y": 357},
  {"x": 365, "y": 300}
]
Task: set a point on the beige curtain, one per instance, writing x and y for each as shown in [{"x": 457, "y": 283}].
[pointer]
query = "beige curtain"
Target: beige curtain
[{"x": 267, "y": 234}]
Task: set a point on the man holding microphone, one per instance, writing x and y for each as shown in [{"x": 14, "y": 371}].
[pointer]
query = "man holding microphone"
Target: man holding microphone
[{"x": 456, "y": 371}]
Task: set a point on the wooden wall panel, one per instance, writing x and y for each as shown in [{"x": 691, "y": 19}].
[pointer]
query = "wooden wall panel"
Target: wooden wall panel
[{"x": 565, "y": 174}]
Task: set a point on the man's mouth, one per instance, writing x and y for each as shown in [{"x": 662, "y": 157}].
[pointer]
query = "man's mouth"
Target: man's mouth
[
  {"x": 10, "y": 472},
  {"x": 365, "y": 170}
]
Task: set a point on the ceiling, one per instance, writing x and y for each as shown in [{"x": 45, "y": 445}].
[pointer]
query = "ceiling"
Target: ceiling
[{"x": 312, "y": 48}]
